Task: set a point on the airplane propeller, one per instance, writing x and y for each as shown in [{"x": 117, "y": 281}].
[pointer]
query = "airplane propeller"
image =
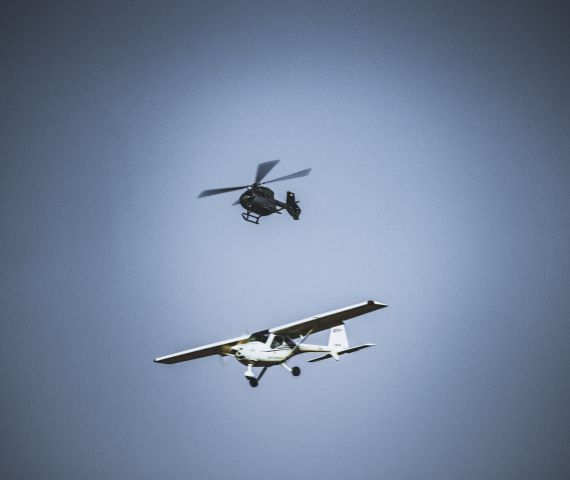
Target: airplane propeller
[{"x": 262, "y": 170}]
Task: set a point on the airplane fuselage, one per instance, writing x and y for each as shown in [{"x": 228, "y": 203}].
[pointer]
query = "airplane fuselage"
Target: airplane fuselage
[{"x": 261, "y": 354}]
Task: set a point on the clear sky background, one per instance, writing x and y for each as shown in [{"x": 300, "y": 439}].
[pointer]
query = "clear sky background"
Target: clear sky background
[{"x": 438, "y": 133}]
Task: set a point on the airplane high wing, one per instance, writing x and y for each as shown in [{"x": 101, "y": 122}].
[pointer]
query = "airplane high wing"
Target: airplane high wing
[
  {"x": 327, "y": 320},
  {"x": 300, "y": 328},
  {"x": 219, "y": 348}
]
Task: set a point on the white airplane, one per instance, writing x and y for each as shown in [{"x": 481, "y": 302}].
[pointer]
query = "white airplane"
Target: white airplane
[{"x": 276, "y": 345}]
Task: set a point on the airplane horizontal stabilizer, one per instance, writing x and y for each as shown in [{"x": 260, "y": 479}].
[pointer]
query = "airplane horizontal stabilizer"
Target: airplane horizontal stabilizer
[{"x": 342, "y": 352}]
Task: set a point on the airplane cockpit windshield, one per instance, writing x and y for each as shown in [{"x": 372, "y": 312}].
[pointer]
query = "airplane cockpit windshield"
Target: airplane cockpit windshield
[
  {"x": 279, "y": 341},
  {"x": 260, "y": 336}
]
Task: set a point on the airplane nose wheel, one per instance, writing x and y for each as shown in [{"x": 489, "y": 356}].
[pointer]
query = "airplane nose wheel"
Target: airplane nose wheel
[
  {"x": 253, "y": 382},
  {"x": 296, "y": 371}
]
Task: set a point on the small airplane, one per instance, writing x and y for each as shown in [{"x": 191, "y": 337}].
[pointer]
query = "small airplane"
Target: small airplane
[
  {"x": 260, "y": 201},
  {"x": 275, "y": 346}
]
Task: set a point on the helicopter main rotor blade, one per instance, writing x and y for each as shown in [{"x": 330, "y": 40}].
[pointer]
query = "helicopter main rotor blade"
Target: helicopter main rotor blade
[
  {"x": 263, "y": 169},
  {"x": 216, "y": 191},
  {"x": 302, "y": 173}
]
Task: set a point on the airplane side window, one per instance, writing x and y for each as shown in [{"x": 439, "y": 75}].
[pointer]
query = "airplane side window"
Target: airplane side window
[
  {"x": 290, "y": 342},
  {"x": 276, "y": 342}
]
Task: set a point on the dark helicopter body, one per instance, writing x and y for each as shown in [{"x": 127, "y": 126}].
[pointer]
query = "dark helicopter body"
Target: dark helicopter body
[{"x": 260, "y": 201}]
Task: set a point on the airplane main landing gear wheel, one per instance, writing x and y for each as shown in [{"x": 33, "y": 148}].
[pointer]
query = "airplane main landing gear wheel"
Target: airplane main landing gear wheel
[
  {"x": 253, "y": 382},
  {"x": 296, "y": 371}
]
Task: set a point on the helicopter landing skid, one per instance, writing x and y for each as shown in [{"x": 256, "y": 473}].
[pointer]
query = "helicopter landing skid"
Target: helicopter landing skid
[{"x": 249, "y": 216}]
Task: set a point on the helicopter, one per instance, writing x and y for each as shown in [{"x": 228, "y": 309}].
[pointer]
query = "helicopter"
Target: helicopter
[{"x": 260, "y": 201}]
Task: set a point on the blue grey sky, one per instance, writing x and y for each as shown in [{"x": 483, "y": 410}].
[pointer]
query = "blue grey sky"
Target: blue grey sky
[{"x": 438, "y": 137}]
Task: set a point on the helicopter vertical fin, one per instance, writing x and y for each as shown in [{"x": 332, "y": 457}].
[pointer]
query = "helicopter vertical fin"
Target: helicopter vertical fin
[{"x": 292, "y": 208}]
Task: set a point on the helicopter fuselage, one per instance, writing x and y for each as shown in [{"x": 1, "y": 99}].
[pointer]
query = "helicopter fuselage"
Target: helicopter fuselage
[{"x": 260, "y": 200}]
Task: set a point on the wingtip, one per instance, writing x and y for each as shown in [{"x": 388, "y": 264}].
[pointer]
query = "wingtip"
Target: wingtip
[{"x": 378, "y": 304}]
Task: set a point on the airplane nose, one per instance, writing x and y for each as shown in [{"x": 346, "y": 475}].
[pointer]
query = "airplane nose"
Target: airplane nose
[{"x": 237, "y": 352}]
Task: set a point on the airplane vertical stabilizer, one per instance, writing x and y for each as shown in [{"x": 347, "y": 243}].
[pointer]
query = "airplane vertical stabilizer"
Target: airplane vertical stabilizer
[{"x": 337, "y": 338}]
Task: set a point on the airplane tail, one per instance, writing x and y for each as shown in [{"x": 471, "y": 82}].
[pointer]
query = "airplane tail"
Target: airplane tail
[
  {"x": 338, "y": 343},
  {"x": 337, "y": 338}
]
